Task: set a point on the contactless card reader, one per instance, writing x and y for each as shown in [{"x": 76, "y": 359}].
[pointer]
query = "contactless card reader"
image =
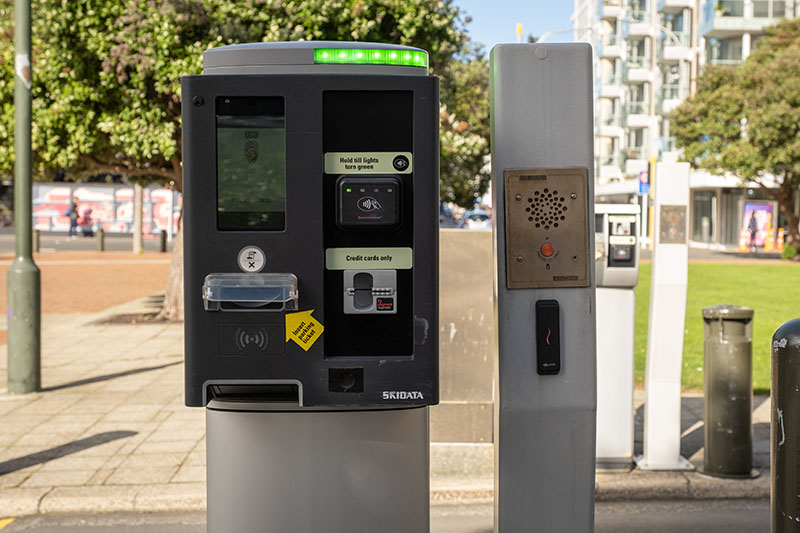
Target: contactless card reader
[{"x": 368, "y": 202}]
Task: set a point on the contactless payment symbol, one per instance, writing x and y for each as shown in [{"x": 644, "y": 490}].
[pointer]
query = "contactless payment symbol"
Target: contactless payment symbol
[
  {"x": 251, "y": 259},
  {"x": 369, "y": 204}
]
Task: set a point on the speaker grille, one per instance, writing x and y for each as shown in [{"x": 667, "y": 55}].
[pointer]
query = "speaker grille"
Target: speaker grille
[{"x": 546, "y": 209}]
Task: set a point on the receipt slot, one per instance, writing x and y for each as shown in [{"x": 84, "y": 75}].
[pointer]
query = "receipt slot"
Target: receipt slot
[
  {"x": 542, "y": 181},
  {"x": 617, "y": 271},
  {"x": 311, "y": 283}
]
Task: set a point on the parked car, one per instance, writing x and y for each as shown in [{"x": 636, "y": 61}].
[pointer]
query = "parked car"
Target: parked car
[
  {"x": 477, "y": 219},
  {"x": 446, "y": 217}
]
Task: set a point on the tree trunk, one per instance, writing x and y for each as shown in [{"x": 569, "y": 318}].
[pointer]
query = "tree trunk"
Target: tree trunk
[
  {"x": 792, "y": 220},
  {"x": 173, "y": 298},
  {"x": 785, "y": 198}
]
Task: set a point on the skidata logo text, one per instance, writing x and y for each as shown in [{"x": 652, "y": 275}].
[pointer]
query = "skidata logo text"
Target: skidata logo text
[{"x": 402, "y": 395}]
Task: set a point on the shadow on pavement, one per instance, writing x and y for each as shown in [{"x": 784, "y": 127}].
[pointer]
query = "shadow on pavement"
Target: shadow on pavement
[
  {"x": 106, "y": 377},
  {"x": 25, "y": 461}
]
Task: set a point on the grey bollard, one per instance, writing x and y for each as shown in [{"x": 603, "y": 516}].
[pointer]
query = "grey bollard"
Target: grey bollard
[
  {"x": 162, "y": 243},
  {"x": 36, "y": 236},
  {"x": 728, "y": 397},
  {"x": 101, "y": 240},
  {"x": 785, "y": 437}
]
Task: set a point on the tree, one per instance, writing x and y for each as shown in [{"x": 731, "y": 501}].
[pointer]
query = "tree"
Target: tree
[
  {"x": 745, "y": 120},
  {"x": 465, "y": 128},
  {"x": 107, "y": 72}
]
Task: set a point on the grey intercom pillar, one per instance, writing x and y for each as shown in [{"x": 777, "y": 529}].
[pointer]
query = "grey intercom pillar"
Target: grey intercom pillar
[
  {"x": 543, "y": 187},
  {"x": 617, "y": 272},
  {"x": 311, "y": 283}
]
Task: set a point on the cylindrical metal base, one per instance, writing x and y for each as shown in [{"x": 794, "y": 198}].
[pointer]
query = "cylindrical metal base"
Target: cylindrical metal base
[
  {"x": 785, "y": 448},
  {"x": 311, "y": 471},
  {"x": 728, "y": 387}
]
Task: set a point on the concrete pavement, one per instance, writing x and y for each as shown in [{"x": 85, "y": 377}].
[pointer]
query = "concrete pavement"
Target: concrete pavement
[{"x": 109, "y": 432}]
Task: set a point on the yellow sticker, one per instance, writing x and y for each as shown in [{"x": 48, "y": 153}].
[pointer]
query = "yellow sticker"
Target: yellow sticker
[
  {"x": 5, "y": 521},
  {"x": 303, "y": 329}
]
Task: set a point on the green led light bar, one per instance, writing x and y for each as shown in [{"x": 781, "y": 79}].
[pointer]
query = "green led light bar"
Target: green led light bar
[{"x": 359, "y": 56}]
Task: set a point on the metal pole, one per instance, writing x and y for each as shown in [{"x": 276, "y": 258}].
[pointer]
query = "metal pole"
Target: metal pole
[
  {"x": 137, "y": 218},
  {"x": 101, "y": 240},
  {"x": 545, "y": 372},
  {"x": 24, "y": 280},
  {"x": 171, "y": 216},
  {"x": 785, "y": 397}
]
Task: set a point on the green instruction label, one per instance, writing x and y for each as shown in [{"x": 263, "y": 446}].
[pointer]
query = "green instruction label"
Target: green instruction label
[
  {"x": 368, "y": 163},
  {"x": 368, "y": 258}
]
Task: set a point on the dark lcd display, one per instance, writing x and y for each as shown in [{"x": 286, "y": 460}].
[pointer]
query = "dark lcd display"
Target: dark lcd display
[{"x": 251, "y": 164}]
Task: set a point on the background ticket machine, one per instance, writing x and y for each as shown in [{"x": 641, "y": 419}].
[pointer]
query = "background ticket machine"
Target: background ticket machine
[
  {"x": 311, "y": 279},
  {"x": 617, "y": 272}
]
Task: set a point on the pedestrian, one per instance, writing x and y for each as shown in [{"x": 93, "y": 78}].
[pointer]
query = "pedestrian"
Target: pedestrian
[
  {"x": 86, "y": 222},
  {"x": 752, "y": 227},
  {"x": 73, "y": 218}
]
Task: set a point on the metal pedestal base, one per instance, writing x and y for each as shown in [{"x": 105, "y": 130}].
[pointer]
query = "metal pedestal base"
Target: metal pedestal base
[
  {"x": 615, "y": 325},
  {"x": 681, "y": 464},
  {"x": 311, "y": 471}
]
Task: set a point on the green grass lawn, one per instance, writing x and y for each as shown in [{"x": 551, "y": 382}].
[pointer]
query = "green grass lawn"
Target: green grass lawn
[{"x": 772, "y": 290}]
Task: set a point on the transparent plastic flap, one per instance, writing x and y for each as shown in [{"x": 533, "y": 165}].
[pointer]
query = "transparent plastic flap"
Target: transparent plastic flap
[{"x": 250, "y": 292}]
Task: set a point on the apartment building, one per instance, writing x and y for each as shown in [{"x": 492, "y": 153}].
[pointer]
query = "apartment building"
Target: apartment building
[{"x": 648, "y": 55}]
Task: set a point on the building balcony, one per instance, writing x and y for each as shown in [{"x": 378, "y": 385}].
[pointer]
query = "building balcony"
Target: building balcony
[
  {"x": 671, "y": 97},
  {"x": 676, "y": 48},
  {"x": 636, "y": 160},
  {"x": 613, "y": 46},
  {"x": 611, "y": 126},
  {"x": 637, "y": 114},
  {"x": 610, "y": 168},
  {"x": 611, "y": 88},
  {"x": 674, "y": 6},
  {"x": 637, "y": 70},
  {"x": 728, "y": 18},
  {"x": 611, "y": 9},
  {"x": 634, "y": 27},
  {"x": 610, "y": 85}
]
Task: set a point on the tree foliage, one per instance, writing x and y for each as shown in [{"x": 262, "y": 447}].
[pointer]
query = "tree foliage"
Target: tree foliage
[
  {"x": 465, "y": 128},
  {"x": 107, "y": 72},
  {"x": 745, "y": 119},
  {"x": 107, "y": 79}
]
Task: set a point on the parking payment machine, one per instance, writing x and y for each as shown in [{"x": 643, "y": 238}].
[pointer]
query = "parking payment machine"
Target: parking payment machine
[
  {"x": 311, "y": 283},
  {"x": 617, "y": 272}
]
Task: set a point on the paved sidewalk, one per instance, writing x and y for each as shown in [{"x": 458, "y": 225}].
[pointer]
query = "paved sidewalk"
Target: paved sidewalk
[{"x": 110, "y": 432}]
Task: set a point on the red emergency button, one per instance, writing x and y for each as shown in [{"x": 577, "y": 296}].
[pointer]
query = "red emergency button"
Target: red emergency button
[{"x": 547, "y": 249}]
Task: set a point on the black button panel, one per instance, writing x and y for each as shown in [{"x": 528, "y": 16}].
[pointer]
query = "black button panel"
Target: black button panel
[
  {"x": 548, "y": 338},
  {"x": 365, "y": 203}
]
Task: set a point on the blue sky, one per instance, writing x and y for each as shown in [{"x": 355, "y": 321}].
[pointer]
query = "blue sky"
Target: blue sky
[{"x": 495, "y": 21}]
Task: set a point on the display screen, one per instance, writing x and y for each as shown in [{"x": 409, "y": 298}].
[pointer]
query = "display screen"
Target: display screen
[{"x": 251, "y": 164}]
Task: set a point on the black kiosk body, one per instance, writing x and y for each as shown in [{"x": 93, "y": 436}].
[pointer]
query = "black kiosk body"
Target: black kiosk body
[{"x": 311, "y": 283}]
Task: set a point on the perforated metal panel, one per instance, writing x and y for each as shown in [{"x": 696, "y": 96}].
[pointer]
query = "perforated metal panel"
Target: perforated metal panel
[{"x": 547, "y": 228}]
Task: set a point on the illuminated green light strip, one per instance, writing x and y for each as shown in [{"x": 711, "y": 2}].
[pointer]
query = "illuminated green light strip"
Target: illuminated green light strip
[{"x": 359, "y": 56}]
